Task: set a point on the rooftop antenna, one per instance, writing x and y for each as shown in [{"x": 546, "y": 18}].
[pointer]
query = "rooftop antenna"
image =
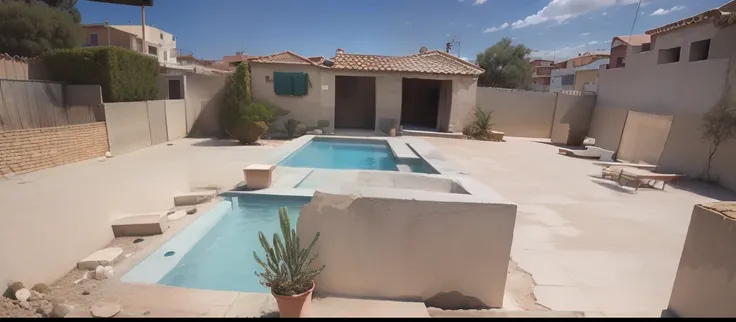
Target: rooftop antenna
[{"x": 448, "y": 46}]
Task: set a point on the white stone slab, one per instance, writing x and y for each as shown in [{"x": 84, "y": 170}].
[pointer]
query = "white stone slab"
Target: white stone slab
[
  {"x": 140, "y": 225},
  {"x": 401, "y": 150},
  {"x": 104, "y": 257}
]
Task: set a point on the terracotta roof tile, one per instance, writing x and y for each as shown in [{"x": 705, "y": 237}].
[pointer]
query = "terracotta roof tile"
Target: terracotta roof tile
[
  {"x": 720, "y": 17},
  {"x": 434, "y": 62},
  {"x": 286, "y": 57}
]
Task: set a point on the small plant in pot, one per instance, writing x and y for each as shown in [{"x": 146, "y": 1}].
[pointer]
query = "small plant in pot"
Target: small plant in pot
[{"x": 287, "y": 270}]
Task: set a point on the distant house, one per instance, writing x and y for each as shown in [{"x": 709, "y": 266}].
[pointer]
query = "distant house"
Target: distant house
[
  {"x": 541, "y": 72},
  {"x": 620, "y": 45},
  {"x": 159, "y": 43},
  {"x": 576, "y": 72},
  {"x": 430, "y": 91}
]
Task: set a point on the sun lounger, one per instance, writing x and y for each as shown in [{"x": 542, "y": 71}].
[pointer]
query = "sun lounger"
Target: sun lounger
[
  {"x": 589, "y": 152},
  {"x": 640, "y": 176}
]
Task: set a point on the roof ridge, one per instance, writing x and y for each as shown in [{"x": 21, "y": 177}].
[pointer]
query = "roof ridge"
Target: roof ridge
[
  {"x": 455, "y": 58},
  {"x": 289, "y": 52}
]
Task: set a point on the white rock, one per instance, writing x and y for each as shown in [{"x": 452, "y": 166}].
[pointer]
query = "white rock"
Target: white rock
[
  {"x": 35, "y": 296},
  {"x": 25, "y": 305},
  {"x": 179, "y": 214},
  {"x": 22, "y": 294},
  {"x": 108, "y": 154},
  {"x": 108, "y": 272},
  {"x": 100, "y": 273},
  {"x": 105, "y": 310}
]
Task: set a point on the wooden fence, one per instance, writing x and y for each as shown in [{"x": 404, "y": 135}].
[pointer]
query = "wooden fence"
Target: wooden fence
[{"x": 37, "y": 104}]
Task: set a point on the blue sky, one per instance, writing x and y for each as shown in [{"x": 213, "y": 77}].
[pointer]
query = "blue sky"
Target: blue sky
[{"x": 556, "y": 28}]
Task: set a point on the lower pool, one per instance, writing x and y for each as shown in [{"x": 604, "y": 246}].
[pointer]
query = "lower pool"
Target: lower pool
[{"x": 222, "y": 257}]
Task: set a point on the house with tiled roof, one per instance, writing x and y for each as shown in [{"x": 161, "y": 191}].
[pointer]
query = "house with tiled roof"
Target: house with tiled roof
[
  {"x": 621, "y": 44},
  {"x": 432, "y": 90},
  {"x": 651, "y": 110}
]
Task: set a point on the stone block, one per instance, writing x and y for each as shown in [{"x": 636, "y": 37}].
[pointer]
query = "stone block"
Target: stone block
[
  {"x": 140, "y": 225},
  {"x": 194, "y": 197},
  {"x": 104, "y": 257},
  {"x": 258, "y": 176}
]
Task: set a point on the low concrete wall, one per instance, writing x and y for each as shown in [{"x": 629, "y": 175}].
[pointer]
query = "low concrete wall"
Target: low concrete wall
[
  {"x": 644, "y": 137},
  {"x": 518, "y": 113},
  {"x": 204, "y": 98},
  {"x": 176, "y": 119},
  {"x": 704, "y": 285},
  {"x": 449, "y": 250},
  {"x": 23, "y": 151}
]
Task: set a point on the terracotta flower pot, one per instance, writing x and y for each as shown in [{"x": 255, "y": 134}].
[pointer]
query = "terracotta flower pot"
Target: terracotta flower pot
[{"x": 294, "y": 306}]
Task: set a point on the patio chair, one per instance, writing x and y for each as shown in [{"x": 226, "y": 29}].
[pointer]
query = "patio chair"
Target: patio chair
[{"x": 637, "y": 175}]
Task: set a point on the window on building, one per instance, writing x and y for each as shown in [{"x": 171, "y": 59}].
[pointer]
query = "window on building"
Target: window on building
[
  {"x": 568, "y": 80},
  {"x": 93, "y": 40},
  {"x": 153, "y": 50},
  {"x": 620, "y": 62},
  {"x": 290, "y": 84},
  {"x": 166, "y": 55},
  {"x": 667, "y": 56},
  {"x": 699, "y": 50},
  {"x": 646, "y": 47},
  {"x": 161, "y": 35}
]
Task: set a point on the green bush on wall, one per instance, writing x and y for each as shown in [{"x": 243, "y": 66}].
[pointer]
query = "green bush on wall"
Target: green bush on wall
[{"x": 124, "y": 75}]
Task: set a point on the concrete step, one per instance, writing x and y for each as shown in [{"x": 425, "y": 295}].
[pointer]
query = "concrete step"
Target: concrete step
[
  {"x": 406, "y": 132},
  {"x": 140, "y": 225}
]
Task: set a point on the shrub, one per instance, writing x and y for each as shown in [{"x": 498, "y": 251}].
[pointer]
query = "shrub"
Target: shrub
[
  {"x": 480, "y": 127},
  {"x": 123, "y": 74},
  {"x": 719, "y": 126},
  {"x": 32, "y": 29},
  {"x": 241, "y": 110},
  {"x": 290, "y": 126},
  {"x": 286, "y": 267}
]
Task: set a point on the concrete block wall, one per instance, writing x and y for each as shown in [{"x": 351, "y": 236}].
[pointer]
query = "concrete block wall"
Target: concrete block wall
[
  {"x": 133, "y": 126},
  {"x": 23, "y": 151}
]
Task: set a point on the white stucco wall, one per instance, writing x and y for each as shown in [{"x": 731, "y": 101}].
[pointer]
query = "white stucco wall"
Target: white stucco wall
[{"x": 449, "y": 250}]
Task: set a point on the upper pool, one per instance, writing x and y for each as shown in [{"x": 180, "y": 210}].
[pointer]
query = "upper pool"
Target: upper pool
[{"x": 346, "y": 154}]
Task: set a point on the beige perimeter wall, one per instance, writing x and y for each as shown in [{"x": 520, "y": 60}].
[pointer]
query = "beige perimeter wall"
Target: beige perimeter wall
[
  {"x": 684, "y": 91},
  {"x": 519, "y": 113},
  {"x": 135, "y": 125},
  {"x": 704, "y": 285},
  {"x": 203, "y": 95},
  {"x": 448, "y": 254}
]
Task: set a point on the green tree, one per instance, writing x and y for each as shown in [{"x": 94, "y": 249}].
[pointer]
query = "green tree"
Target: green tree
[
  {"x": 505, "y": 65},
  {"x": 31, "y": 28}
]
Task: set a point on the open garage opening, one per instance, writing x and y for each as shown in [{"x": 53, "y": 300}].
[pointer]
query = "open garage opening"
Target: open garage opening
[
  {"x": 355, "y": 102},
  {"x": 425, "y": 104}
]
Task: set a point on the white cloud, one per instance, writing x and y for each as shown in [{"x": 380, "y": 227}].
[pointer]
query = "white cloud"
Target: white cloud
[
  {"x": 585, "y": 34},
  {"x": 562, "y": 10},
  {"x": 513, "y": 38},
  {"x": 464, "y": 58},
  {"x": 593, "y": 42},
  {"x": 662, "y": 12},
  {"x": 479, "y": 2},
  {"x": 447, "y": 35},
  {"x": 460, "y": 0},
  {"x": 494, "y": 29},
  {"x": 605, "y": 13}
]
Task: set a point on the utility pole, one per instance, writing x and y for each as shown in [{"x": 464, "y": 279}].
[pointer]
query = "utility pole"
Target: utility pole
[{"x": 144, "y": 46}]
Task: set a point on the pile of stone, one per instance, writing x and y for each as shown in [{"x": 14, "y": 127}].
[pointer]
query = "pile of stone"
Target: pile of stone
[{"x": 18, "y": 301}]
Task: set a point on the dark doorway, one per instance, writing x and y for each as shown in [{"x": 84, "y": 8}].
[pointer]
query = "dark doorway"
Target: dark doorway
[
  {"x": 420, "y": 101},
  {"x": 175, "y": 89},
  {"x": 355, "y": 102}
]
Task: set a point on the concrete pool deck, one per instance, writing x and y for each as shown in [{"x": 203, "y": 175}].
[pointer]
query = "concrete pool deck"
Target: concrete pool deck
[{"x": 590, "y": 246}]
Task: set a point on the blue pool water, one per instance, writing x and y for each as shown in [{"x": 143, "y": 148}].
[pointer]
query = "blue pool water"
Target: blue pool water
[
  {"x": 223, "y": 258},
  {"x": 336, "y": 154},
  {"x": 350, "y": 155}
]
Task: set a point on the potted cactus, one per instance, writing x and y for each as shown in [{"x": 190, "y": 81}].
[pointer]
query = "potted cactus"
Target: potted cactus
[{"x": 287, "y": 270}]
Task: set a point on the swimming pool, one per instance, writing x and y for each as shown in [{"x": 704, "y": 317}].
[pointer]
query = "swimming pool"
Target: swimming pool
[
  {"x": 345, "y": 154},
  {"x": 220, "y": 248}
]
